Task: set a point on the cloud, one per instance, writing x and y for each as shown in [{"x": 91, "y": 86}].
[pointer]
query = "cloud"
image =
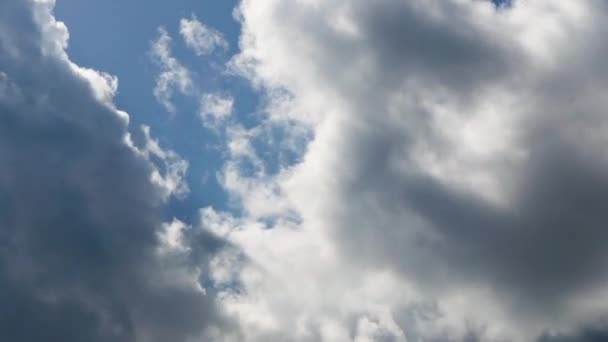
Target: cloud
[
  {"x": 586, "y": 335},
  {"x": 175, "y": 168},
  {"x": 426, "y": 170},
  {"x": 454, "y": 183},
  {"x": 173, "y": 75},
  {"x": 203, "y": 40},
  {"x": 215, "y": 108},
  {"x": 81, "y": 232}
]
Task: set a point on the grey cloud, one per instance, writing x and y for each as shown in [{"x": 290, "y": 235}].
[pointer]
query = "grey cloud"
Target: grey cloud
[
  {"x": 447, "y": 51},
  {"x": 549, "y": 246},
  {"x": 546, "y": 247},
  {"x": 587, "y": 334},
  {"x": 79, "y": 216}
]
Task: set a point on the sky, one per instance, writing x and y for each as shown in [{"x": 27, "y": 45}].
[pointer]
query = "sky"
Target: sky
[
  {"x": 122, "y": 44},
  {"x": 282, "y": 170}
]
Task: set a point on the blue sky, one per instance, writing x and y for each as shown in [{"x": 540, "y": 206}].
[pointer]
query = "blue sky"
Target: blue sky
[{"x": 123, "y": 36}]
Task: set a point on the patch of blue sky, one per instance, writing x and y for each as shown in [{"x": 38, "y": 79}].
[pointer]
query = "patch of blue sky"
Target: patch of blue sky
[
  {"x": 123, "y": 32},
  {"x": 502, "y": 3}
]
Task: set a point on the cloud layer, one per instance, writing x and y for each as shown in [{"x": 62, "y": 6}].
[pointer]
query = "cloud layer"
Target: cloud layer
[{"x": 424, "y": 170}]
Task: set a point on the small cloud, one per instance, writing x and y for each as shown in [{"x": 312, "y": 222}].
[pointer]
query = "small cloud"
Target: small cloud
[
  {"x": 173, "y": 75},
  {"x": 215, "y": 108},
  {"x": 172, "y": 236},
  {"x": 203, "y": 40},
  {"x": 170, "y": 173}
]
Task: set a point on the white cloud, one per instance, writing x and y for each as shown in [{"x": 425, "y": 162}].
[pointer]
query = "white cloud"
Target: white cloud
[
  {"x": 215, "y": 109},
  {"x": 203, "y": 40},
  {"x": 172, "y": 236},
  {"x": 435, "y": 200},
  {"x": 173, "y": 75},
  {"x": 170, "y": 176}
]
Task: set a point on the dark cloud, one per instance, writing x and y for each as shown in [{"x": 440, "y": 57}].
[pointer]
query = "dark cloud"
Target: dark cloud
[
  {"x": 79, "y": 216},
  {"x": 589, "y": 334},
  {"x": 446, "y": 51},
  {"x": 549, "y": 244}
]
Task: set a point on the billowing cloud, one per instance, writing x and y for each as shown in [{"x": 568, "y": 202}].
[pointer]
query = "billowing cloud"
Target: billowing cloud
[
  {"x": 83, "y": 248},
  {"x": 173, "y": 75},
  {"x": 453, "y": 183},
  {"x": 202, "y": 39}
]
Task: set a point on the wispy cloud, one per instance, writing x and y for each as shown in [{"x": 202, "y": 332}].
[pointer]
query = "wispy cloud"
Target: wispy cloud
[
  {"x": 173, "y": 75},
  {"x": 215, "y": 109},
  {"x": 202, "y": 39}
]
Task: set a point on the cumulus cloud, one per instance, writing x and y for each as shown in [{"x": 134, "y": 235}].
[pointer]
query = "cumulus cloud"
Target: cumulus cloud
[
  {"x": 173, "y": 75},
  {"x": 454, "y": 182},
  {"x": 81, "y": 232},
  {"x": 202, "y": 39}
]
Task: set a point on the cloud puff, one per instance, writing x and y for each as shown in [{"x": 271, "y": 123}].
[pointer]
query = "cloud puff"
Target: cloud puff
[
  {"x": 175, "y": 168},
  {"x": 173, "y": 75},
  {"x": 455, "y": 164},
  {"x": 80, "y": 227},
  {"x": 203, "y": 40},
  {"x": 215, "y": 108}
]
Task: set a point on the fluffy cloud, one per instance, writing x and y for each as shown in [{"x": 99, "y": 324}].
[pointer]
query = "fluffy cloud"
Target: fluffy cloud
[
  {"x": 82, "y": 243},
  {"x": 173, "y": 75},
  {"x": 203, "y": 40},
  {"x": 453, "y": 187}
]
